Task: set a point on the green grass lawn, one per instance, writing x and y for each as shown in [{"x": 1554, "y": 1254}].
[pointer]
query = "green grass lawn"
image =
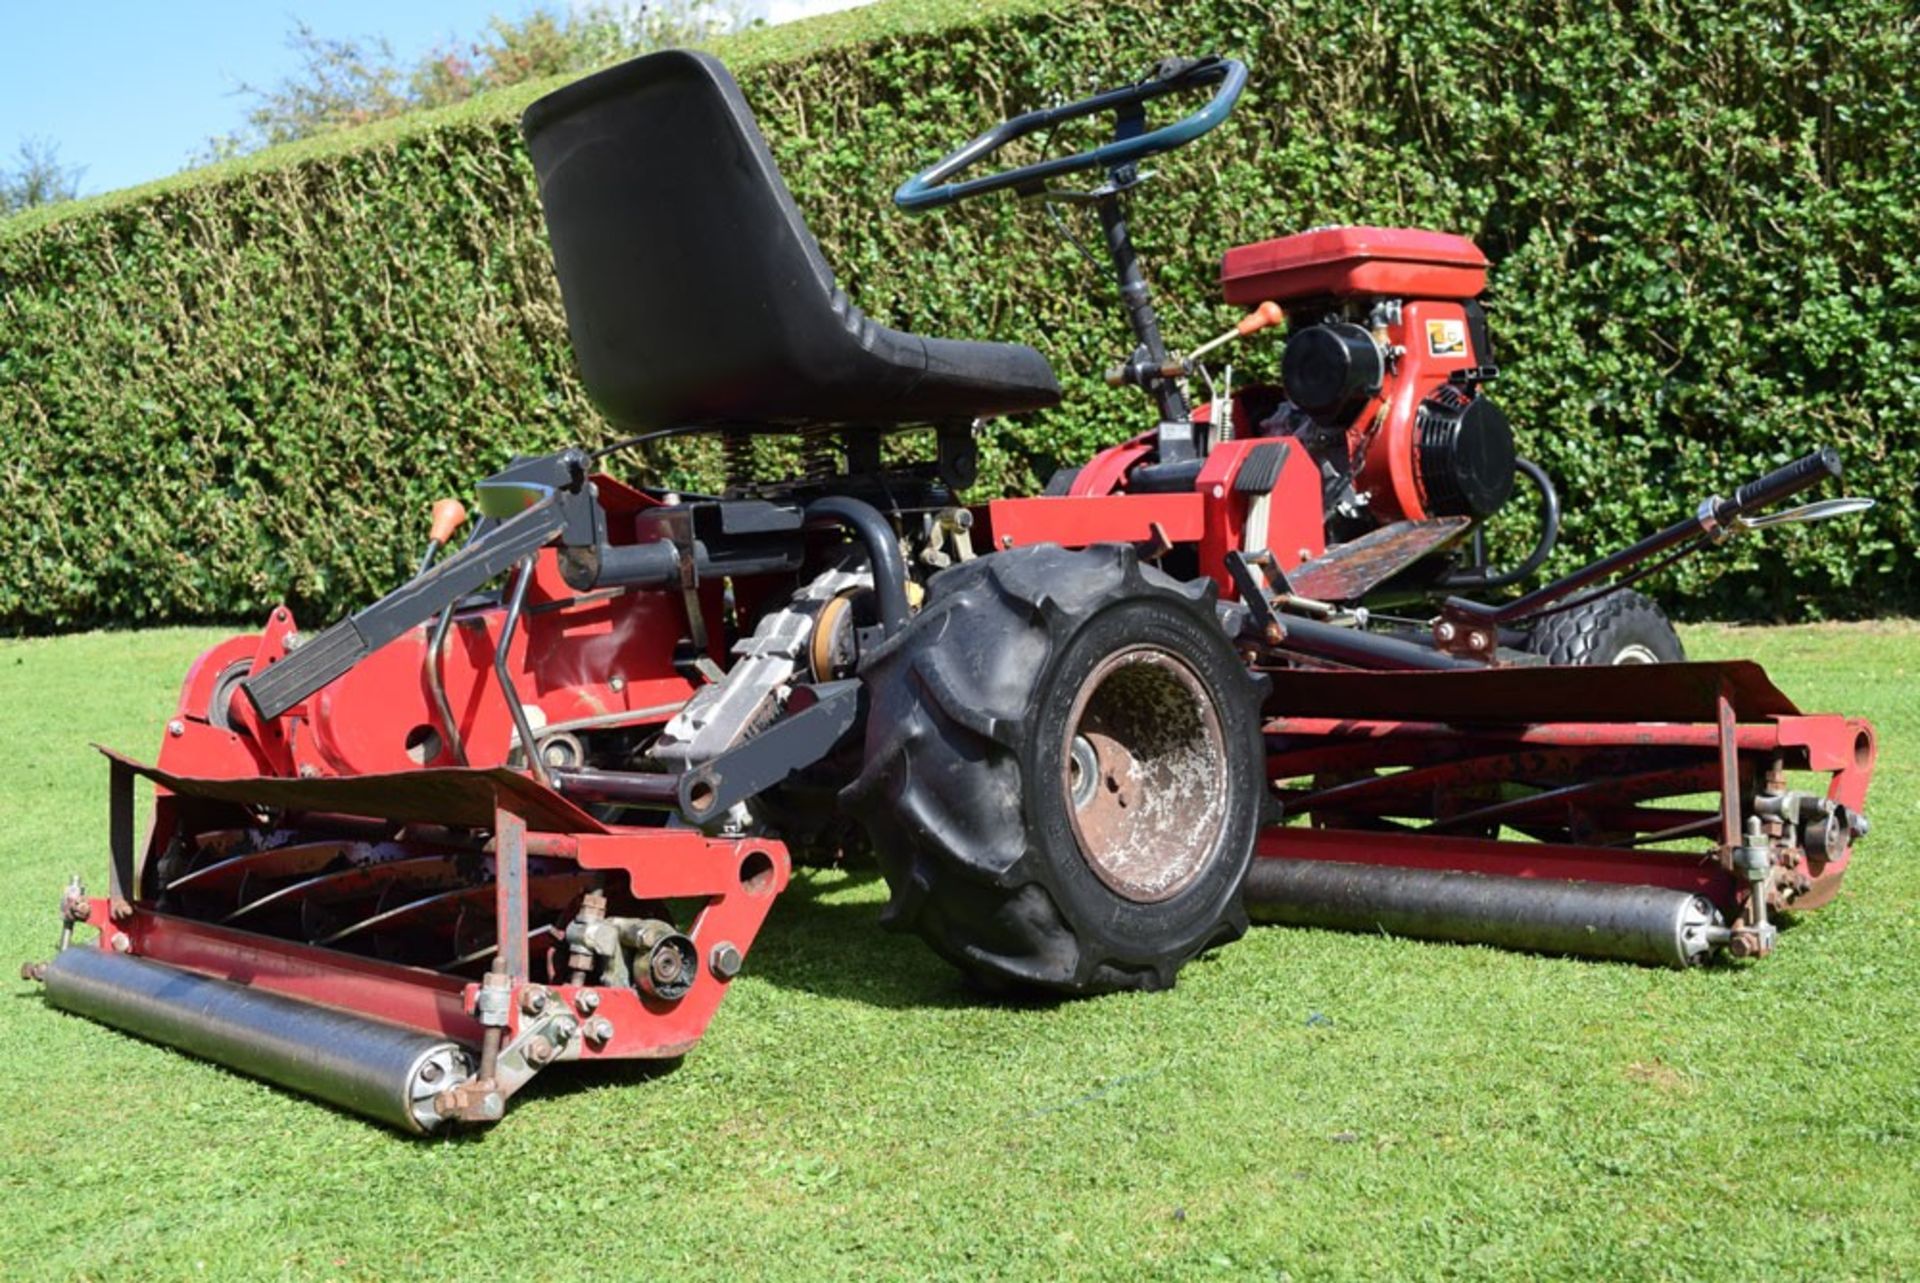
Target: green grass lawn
[{"x": 1303, "y": 1105}]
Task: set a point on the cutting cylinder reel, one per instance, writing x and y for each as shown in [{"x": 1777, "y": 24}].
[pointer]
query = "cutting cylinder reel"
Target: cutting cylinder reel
[{"x": 536, "y": 804}]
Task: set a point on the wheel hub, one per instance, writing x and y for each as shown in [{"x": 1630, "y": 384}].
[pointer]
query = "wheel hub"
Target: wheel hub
[{"x": 1145, "y": 773}]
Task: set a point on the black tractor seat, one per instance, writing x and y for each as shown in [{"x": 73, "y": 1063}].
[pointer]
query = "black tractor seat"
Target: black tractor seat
[{"x": 695, "y": 294}]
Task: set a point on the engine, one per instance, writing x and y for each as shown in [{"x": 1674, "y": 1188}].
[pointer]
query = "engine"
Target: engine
[{"x": 1386, "y": 356}]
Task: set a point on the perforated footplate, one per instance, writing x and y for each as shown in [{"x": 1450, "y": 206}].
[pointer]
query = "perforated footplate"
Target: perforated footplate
[{"x": 1352, "y": 570}]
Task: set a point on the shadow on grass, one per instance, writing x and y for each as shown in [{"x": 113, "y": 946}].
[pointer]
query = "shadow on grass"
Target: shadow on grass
[{"x": 818, "y": 943}]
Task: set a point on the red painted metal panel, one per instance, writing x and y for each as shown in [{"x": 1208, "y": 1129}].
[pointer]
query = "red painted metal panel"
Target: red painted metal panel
[
  {"x": 1078, "y": 523},
  {"x": 1393, "y": 262},
  {"x": 1107, "y": 471},
  {"x": 1656, "y": 694},
  {"x": 456, "y": 796}
]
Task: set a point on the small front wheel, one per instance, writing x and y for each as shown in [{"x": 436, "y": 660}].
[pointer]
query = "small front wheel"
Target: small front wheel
[{"x": 1622, "y": 627}]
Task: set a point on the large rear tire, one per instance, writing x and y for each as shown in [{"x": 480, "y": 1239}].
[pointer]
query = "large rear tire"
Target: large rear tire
[{"x": 1063, "y": 776}]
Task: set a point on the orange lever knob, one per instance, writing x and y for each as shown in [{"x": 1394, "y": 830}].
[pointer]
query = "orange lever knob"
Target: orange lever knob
[
  {"x": 1260, "y": 318},
  {"x": 448, "y": 516}
]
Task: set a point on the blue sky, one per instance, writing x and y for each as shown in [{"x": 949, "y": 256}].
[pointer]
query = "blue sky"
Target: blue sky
[{"x": 131, "y": 88}]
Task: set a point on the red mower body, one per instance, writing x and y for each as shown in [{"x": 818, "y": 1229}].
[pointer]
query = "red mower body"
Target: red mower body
[{"x": 535, "y": 804}]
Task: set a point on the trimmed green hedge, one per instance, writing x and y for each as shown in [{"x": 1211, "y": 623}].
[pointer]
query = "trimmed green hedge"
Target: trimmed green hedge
[{"x": 249, "y": 384}]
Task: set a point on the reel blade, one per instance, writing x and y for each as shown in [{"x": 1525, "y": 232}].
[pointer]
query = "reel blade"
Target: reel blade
[
  {"x": 356, "y": 881},
  {"x": 299, "y": 859}
]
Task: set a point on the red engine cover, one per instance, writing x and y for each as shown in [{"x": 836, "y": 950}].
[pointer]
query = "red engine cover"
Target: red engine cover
[{"x": 1341, "y": 262}]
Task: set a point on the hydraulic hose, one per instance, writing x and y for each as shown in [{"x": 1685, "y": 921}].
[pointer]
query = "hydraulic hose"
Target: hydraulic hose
[
  {"x": 1549, "y": 511},
  {"x": 883, "y": 552}
]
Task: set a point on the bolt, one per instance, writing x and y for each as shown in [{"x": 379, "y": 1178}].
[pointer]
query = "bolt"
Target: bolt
[
  {"x": 309, "y": 772},
  {"x": 588, "y": 1000},
  {"x": 725, "y": 960},
  {"x": 293, "y": 641},
  {"x": 539, "y": 1050},
  {"x": 120, "y": 943},
  {"x": 563, "y": 1031},
  {"x": 1476, "y": 640},
  {"x": 533, "y": 1000},
  {"x": 176, "y": 727},
  {"x": 599, "y": 1031},
  {"x": 617, "y": 684},
  {"x": 430, "y": 1072},
  {"x": 1006, "y": 541},
  {"x": 1443, "y": 631}
]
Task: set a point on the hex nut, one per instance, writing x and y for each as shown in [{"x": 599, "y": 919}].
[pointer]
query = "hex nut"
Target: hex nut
[{"x": 725, "y": 960}]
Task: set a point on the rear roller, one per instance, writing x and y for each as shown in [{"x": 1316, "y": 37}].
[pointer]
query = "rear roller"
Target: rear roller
[{"x": 1622, "y": 923}]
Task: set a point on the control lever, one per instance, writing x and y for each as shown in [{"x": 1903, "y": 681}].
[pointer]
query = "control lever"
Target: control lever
[
  {"x": 1715, "y": 521},
  {"x": 1140, "y": 371}
]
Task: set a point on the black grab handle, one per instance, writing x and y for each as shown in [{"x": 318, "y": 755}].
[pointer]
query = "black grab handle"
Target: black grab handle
[{"x": 1782, "y": 483}]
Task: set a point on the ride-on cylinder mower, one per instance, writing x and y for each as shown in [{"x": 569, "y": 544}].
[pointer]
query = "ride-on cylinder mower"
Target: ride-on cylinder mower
[{"x": 535, "y": 804}]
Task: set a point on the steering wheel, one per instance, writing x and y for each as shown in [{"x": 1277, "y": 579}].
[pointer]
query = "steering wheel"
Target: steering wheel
[{"x": 1132, "y": 141}]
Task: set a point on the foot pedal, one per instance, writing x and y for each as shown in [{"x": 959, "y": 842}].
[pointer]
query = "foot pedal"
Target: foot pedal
[
  {"x": 1350, "y": 571},
  {"x": 322, "y": 658}
]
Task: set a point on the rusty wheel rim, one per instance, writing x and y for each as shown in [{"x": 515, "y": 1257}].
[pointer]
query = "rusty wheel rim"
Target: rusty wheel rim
[{"x": 1144, "y": 770}]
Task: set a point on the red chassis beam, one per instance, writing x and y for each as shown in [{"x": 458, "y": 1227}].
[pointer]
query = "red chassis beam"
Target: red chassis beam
[{"x": 1390, "y": 792}]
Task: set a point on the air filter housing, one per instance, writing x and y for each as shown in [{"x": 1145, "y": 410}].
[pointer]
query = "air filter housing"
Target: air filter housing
[{"x": 1465, "y": 450}]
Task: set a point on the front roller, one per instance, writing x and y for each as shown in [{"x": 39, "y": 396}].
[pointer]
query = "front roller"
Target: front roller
[{"x": 388, "y": 1073}]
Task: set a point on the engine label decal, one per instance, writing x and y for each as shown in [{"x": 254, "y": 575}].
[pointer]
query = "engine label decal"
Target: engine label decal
[{"x": 1446, "y": 338}]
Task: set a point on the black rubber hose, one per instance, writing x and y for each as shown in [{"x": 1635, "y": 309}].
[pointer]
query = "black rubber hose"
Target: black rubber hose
[
  {"x": 883, "y": 552},
  {"x": 1542, "y": 548}
]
